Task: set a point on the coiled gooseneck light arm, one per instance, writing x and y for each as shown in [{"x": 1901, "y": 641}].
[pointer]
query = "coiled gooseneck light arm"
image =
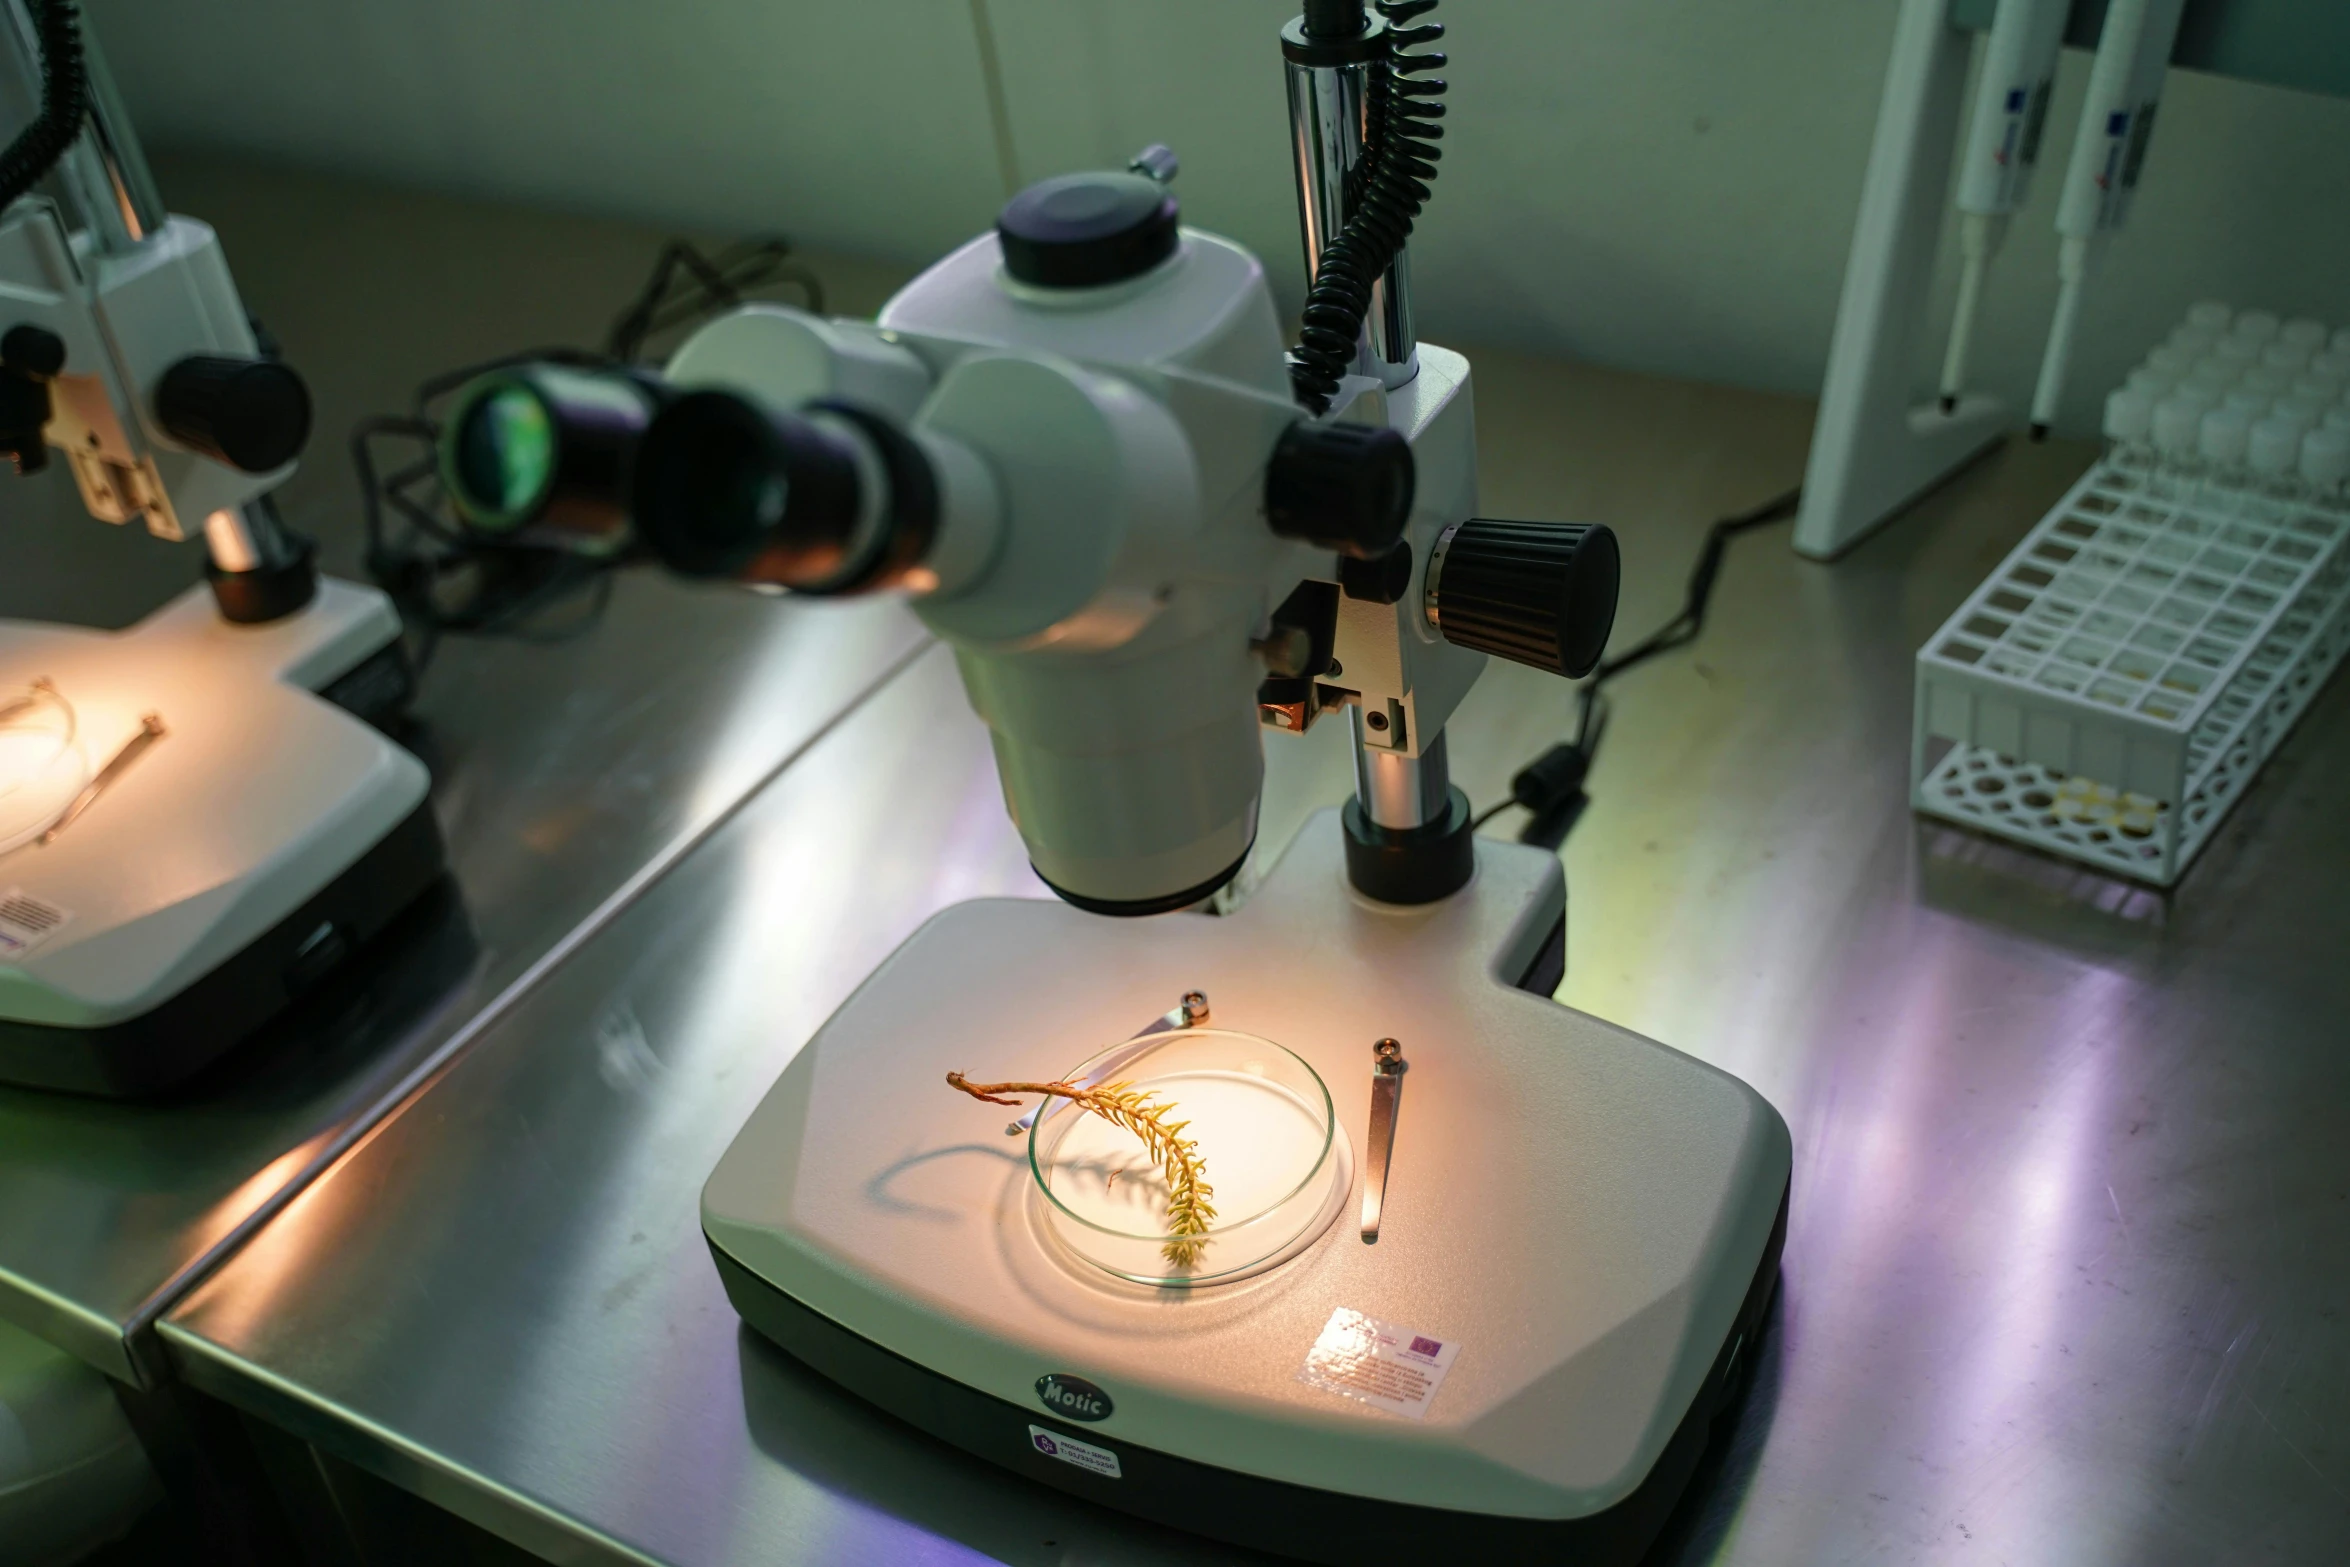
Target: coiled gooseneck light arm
[{"x": 1364, "y": 166}]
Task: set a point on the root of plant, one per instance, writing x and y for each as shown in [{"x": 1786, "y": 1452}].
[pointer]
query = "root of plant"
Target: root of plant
[{"x": 1189, "y": 1211}]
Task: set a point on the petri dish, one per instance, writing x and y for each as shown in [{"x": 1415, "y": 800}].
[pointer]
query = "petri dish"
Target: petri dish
[
  {"x": 1267, "y": 1139},
  {"x": 41, "y": 763}
]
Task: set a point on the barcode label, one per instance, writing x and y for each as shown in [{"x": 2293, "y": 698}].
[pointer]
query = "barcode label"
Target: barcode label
[{"x": 26, "y": 922}]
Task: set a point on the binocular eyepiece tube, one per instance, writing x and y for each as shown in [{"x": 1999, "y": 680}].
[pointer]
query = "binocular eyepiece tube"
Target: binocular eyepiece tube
[{"x": 831, "y": 499}]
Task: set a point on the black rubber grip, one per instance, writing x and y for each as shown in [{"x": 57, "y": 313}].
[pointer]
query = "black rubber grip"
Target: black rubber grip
[{"x": 1539, "y": 593}]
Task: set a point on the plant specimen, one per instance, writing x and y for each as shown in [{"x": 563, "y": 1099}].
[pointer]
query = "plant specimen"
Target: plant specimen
[{"x": 1189, "y": 1211}]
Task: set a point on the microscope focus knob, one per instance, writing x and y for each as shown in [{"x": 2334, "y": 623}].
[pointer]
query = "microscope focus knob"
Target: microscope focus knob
[
  {"x": 1539, "y": 593},
  {"x": 252, "y": 414},
  {"x": 1343, "y": 487}
]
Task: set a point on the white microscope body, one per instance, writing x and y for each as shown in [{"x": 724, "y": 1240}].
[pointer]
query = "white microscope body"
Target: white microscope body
[
  {"x": 194, "y": 826},
  {"x": 1102, "y": 564}
]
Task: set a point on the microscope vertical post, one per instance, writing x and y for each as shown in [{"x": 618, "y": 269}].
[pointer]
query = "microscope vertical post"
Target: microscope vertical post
[
  {"x": 1413, "y": 850},
  {"x": 1396, "y": 790},
  {"x": 127, "y": 182},
  {"x": 104, "y": 178},
  {"x": 1330, "y": 52}
]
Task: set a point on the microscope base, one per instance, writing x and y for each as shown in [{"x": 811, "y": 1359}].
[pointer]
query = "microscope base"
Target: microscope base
[
  {"x": 228, "y": 864},
  {"x": 1590, "y": 1220}
]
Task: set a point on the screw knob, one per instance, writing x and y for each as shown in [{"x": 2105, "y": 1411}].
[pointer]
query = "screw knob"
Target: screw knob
[
  {"x": 1343, "y": 487},
  {"x": 30, "y": 357},
  {"x": 1538, "y": 593}
]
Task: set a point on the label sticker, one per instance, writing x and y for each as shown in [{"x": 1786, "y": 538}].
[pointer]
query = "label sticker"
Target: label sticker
[
  {"x": 26, "y": 922},
  {"x": 1378, "y": 1363},
  {"x": 1086, "y": 1456}
]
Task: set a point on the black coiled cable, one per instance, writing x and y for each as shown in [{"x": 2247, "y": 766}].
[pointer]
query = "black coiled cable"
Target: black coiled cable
[
  {"x": 65, "y": 99},
  {"x": 1400, "y": 132}
]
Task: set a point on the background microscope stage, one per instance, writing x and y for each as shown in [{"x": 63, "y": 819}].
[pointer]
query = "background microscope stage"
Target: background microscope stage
[
  {"x": 1588, "y": 1221},
  {"x": 262, "y": 836}
]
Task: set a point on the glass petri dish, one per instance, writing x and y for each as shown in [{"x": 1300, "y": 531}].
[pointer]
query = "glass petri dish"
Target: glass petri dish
[
  {"x": 1266, "y": 1136},
  {"x": 41, "y": 765}
]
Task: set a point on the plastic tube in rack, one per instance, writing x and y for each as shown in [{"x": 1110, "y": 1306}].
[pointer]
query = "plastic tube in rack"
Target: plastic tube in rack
[
  {"x": 2325, "y": 457},
  {"x": 2258, "y": 327},
  {"x": 2225, "y": 436},
  {"x": 2305, "y": 333},
  {"x": 2002, "y": 150},
  {"x": 2275, "y": 446},
  {"x": 2129, "y": 416},
  {"x": 2109, "y": 154}
]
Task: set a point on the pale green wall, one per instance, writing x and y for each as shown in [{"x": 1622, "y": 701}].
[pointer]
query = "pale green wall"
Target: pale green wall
[{"x": 1664, "y": 184}]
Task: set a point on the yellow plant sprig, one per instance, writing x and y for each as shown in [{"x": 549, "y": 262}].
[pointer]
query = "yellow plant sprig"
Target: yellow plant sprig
[{"x": 1189, "y": 1209}]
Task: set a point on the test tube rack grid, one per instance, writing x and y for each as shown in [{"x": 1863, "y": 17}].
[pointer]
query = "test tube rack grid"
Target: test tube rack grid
[{"x": 2111, "y": 690}]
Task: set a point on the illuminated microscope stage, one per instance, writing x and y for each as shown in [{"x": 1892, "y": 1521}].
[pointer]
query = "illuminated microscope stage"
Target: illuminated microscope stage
[
  {"x": 1580, "y": 1237},
  {"x": 221, "y": 867}
]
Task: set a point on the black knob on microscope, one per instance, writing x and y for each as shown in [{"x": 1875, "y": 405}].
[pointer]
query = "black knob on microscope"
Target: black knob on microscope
[
  {"x": 252, "y": 414},
  {"x": 1086, "y": 230},
  {"x": 1539, "y": 593},
  {"x": 30, "y": 357},
  {"x": 1343, "y": 487}
]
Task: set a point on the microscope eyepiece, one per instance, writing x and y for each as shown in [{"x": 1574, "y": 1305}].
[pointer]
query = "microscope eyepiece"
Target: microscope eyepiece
[
  {"x": 834, "y": 500},
  {"x": 545, "y": 446},
  {"x": 252, "y": 414}
]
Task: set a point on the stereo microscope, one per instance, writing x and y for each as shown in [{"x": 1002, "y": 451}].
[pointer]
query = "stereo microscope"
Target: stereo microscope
[
  {"x": 1149, "y": 534},
  {"x": 196, "y": 821}
]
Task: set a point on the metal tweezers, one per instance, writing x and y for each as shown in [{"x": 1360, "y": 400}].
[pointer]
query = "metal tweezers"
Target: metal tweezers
[
  {"x": 1387, "y": 1069},
  {"x": 150, "y": 731}
]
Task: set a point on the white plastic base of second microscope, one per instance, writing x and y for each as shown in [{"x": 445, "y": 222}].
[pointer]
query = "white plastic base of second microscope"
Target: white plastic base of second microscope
[
  {"x": 1583, "y": 1211},
  {"x": 259, "y": 794}
]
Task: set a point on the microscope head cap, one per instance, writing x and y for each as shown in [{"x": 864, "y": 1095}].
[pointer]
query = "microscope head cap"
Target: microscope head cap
[{"x": 1087, "y": 230}]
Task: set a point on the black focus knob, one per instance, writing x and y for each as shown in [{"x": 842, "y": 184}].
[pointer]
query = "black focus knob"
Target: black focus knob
[
  {"x": 1085, "y": 230},
  {"x": 252, "y": 414},
  {"x": 1343, "y": 487},
  {"x": 1539, "y": 593}
]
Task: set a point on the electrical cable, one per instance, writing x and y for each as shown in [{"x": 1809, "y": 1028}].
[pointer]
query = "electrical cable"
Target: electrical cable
[
  {"x": 65, "y": 100},
  {"x": 721, "y": 281},
  {"x": 448, "y": 579},
  {"x": 1400, "y": 133},
  {"x": 1550, "y": 787}
]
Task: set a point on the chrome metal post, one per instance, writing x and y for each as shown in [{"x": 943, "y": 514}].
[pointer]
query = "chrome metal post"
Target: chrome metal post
[
  {"x": 1397, "y": 790},
  {"x": 104, "y": 179},
  {"x": 250, "y": 537},
  {"x": 1327, "y": 114},
  {"x": 130, "y": 184}
]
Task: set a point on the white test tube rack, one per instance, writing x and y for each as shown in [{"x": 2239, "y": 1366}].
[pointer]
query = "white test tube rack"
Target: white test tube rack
[{"x": 2111, "y": 690}]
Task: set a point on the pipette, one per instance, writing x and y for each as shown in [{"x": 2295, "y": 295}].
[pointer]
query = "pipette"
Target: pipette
[
  {"x": 2002, "y": 149},
  {"x": 2109, "y": 153}
]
